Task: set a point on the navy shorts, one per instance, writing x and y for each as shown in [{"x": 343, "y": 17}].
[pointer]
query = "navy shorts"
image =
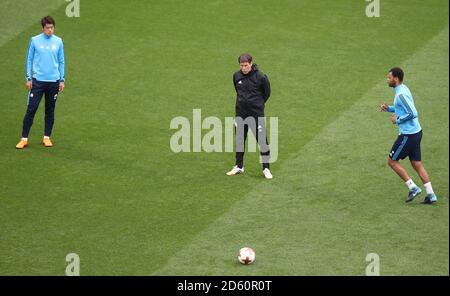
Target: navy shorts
[{"x": 407, "y": 145}]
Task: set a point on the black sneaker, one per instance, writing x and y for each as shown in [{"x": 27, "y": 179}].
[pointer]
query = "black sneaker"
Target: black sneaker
[
  {"x": 413, "y": 193},
  {"x": 430, "y": 199}
]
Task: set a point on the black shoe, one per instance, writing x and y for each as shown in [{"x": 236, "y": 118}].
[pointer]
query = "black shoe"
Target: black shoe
[
  {"x": 429, "y": 199},
  {"x": 413, "y": 193}
]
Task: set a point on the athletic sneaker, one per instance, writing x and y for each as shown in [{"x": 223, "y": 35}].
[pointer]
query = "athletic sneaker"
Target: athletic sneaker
[
  {"x": 413, "y": 193},
  {"x": 22, "y": 144},
  {"x": 47, "y": 143},
  {"x": 267, "y": 174},
  {"x": 430, "y": 198},
  {"x": 235, "y": 171}
]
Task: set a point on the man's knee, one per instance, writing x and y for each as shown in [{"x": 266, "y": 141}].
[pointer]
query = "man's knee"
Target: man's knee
[
  {"x": 265, "y": 151},
  {"x": 417, "y": 165},
  {"x": 31, "y": 110},
  {"x": 392, "y": 163},
  {"x": 49, "y": 113}
]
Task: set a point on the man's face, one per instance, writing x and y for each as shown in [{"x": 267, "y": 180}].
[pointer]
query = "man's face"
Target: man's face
[
  {"x": 48, "y": 29},
  {"x": 245, "y": 67},
  {"x": 391, "y": 80}
]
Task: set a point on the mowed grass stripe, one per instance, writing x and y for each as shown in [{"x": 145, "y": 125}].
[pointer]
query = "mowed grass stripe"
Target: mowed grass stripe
[
  {"x": 18, "y": 15},
  {"x": 337, "y": 200}
]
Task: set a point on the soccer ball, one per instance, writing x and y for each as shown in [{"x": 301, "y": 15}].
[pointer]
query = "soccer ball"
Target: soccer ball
[{"x": 246, "y": 256}]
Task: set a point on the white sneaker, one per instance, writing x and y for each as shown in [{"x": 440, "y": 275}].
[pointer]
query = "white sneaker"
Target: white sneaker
[
  {"x": 235, "y": 171},
  {"x": 267, "y": 174}
]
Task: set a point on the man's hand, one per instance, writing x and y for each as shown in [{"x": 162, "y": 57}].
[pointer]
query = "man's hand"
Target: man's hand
[
  {"x": 29, "y": 84},
  {"x": 61, "y": 86},
  {"x": 394, "y": 119},
  {"x": 384, "y": 107}
]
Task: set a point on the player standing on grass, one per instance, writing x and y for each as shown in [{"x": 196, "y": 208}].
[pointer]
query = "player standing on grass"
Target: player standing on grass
[
  {"x": 408, "y": 142},
  {"x": 252, "y": 92},
  {"x": 44, "y": 75}
]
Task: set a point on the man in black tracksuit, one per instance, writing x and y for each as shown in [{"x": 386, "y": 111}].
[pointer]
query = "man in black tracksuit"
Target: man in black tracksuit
[{"x": 253, "y": 90}]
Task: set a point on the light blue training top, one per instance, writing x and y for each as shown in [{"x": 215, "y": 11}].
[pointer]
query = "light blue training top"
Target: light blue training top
[
  {"x": 45, "y": 59},
  {"x": 407, "y": 115}
]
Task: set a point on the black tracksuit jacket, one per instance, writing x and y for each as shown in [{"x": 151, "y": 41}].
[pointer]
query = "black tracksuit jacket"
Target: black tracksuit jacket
[{"x": 253, "y": 91}]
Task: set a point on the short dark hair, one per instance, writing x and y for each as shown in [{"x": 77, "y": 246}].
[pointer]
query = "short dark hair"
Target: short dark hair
[
  {"x": 397, "y": 72},
  {"x": 46, "y": 20},
  {"x": 245, "y": 58}
]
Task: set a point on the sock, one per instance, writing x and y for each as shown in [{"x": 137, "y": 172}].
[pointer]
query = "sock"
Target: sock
[
  {"x": 46, "y": 137},
  {"x": 428, "y": 188},
  {"x": 410, "y": 184},
  {"x": 25, "y": 139}
]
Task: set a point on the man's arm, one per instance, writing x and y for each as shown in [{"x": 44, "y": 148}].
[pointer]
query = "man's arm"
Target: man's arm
[
  {"x": 29, "y": 64},
  {"x": 234, "y": 82},
  {"x": 266, "y": 88},
  {"x": 410, "y": 111},
  {"x": 62, "y": 67}
]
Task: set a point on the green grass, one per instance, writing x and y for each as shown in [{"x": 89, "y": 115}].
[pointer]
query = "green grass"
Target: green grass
[
  {"x": 112, "y": 191},
  {"x": 18, "y": 15},
  {"x": 330, "y": 205}
]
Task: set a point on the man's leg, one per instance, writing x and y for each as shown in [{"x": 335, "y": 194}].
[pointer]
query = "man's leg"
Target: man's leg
[
  {"x": 241, "y": 137},
  {"x": 261, "y": 137},
  {"x": 414, "y": 190},
  {"x": 400, "y": 150},
  {"x": 395, "y": 165},
  {"x": 241, "y": 131},
  {"x": 423, "y": 174},
  {"x": 259, "y": 131},
  {"x": 51, "y": 94},
  {"x": 419, "y": 168},
  {"x": 34, "y": 98},
  {"x": 415, "y": 158}
]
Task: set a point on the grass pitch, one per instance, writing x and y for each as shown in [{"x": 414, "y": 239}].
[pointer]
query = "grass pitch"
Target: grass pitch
[{"x": 112, "y": 191}]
